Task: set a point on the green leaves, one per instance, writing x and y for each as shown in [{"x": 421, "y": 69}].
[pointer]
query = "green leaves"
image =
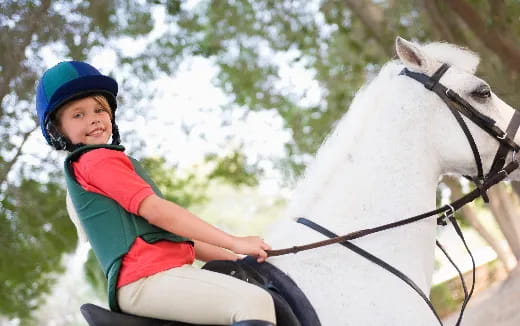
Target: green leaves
[
  {"x": 183, "y": 188},
  {"x": 189, "y": 187},
  {"x": 233, "y": 169},
  {"x": 36, "y": 231}
]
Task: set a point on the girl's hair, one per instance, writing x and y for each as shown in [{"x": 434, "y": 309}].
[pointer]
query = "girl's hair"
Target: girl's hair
[
  {"x": 104, "y": 103},
  {"x": 102, "y": 100}
]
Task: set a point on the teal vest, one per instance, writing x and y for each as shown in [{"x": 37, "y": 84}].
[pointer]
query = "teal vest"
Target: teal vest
[{"x": 111, "y": 229}]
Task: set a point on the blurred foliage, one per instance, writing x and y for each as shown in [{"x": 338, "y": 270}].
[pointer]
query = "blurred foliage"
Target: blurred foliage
[
  {"x": 242, "y": 211},
  {"x": 184, "y": 190},
  {"x": 443, "y": 299},
  {"x": 233, "y": 168},
  {"x": 189, "y": 188},
  {"x": 448, "y": 296},
  {"x": 341, "y": 43},
  {"x": 95, "y": 276},
  {"x": 36, "y": 231}
]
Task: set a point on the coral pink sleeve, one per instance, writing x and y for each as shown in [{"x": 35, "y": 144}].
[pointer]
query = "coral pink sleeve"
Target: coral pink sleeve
[{"x": 110, "y": 173}]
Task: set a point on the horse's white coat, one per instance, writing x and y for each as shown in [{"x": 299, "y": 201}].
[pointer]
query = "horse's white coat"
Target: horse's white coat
[{"x": 382, "y": 163}]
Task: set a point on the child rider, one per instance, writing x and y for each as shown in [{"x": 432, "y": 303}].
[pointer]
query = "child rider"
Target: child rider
[{"x": 145, "y": 244}]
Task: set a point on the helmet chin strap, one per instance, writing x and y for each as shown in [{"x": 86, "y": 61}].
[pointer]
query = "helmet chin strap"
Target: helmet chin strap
[{"x": 116, "y": 138}]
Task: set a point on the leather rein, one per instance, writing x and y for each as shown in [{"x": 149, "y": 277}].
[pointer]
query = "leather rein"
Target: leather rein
[{"x": 498, "y": 172}]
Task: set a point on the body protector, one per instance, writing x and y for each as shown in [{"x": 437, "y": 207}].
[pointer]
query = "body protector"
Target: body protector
[{"x": 111, "y": 229}]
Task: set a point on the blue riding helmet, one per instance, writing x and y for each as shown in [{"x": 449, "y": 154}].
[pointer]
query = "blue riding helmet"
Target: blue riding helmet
[{"x": 68, "y": 81}]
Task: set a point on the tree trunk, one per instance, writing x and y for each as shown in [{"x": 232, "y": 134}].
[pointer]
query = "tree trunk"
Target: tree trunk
[
  {"x": 497, "y": 306},
  {"x": 497, "y": 41},
  {"x": 373, "y": 18},
  {"x": 504, "y": 207}
]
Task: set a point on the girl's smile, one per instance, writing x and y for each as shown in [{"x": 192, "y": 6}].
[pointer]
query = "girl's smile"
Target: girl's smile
[{"x": 85, "y": 121}]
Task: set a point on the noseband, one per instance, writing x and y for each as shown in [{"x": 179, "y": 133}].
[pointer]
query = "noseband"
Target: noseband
[{"x": 498, "y": 172}]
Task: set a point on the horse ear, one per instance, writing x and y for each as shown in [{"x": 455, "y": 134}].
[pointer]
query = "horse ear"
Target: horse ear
[{"x": 411, "y": 55}]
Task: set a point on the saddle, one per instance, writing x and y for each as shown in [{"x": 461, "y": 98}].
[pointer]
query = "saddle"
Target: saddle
[{"x": 291, "y": 306}]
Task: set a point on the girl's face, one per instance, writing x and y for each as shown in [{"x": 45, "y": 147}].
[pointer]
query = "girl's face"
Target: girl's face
[{"x": 85, "y": 121}]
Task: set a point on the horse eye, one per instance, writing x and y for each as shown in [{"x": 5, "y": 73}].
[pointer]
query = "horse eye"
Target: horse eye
[{"x": 482, "y": 92}]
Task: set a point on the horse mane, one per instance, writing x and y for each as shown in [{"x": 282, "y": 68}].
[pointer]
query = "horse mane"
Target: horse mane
[
  {"x": 335, "y": 149},
  {"x": 334, "y": 152},
  {"x": 453, "y": 55}
]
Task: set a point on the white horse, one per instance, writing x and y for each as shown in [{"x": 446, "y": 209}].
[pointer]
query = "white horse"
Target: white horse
[{"x": 381, "y": 164}]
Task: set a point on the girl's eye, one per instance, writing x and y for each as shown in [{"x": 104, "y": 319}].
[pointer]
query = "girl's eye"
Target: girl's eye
[
  {"x": 482, "y": 92},
  {"x": 98, "y": 110},
  {"x": 77, "y": 115}
]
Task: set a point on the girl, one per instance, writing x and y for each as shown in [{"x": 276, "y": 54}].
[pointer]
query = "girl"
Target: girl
[{"x": 145, "y": 244}]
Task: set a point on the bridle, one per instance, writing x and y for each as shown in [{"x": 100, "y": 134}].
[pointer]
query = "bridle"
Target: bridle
[
  {"x": 458, "y": 106},
  {"x": 498, "y": 172}
]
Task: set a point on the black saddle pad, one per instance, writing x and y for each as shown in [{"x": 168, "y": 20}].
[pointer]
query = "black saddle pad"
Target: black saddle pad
[
  {"x": 97, "y": 316},
  {"x": 292, "y": 306}
]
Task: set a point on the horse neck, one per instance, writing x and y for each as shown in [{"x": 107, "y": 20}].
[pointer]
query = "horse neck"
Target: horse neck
[
  {"x": 372, "y": 175},
  {"x": 376, "y": 169}
]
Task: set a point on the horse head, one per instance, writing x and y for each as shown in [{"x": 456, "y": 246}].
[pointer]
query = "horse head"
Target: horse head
[{"x": 445, "y": 136}]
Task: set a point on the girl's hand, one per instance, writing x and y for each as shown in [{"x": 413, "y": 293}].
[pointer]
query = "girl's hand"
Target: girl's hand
[{"x": 253, "y": 246}]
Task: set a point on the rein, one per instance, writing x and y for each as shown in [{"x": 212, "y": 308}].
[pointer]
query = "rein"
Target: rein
[
  {"x": 446, "y": 211},
  {"x": 498, "y": 172}
]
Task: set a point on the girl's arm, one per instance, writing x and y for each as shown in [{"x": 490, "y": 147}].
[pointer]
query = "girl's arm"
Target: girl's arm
[
  {"x": 172, "y": 217},
  {"x": 207, "y": 252}
]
